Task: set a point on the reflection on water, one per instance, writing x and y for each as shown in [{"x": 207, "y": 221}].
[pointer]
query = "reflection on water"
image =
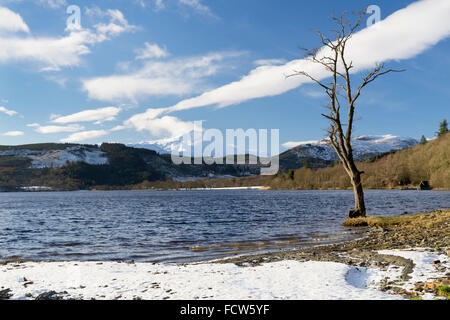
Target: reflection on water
[{"x": 175, "y": 226}]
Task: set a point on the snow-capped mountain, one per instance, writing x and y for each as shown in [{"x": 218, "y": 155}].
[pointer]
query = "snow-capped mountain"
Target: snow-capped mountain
[
  {"x": 363, "y": 147},
  {"x": 57, "y": 158},
  {"x": 163, "y": 146}
]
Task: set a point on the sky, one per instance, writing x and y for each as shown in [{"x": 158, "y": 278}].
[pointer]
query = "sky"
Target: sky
[{"x": 144, "y": 70}]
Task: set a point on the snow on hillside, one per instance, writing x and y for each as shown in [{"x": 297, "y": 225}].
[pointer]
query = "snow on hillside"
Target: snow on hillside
[
  {"x": 162, "y": 146},
  {"x": 363, "y": 147},
  {"x": 58, "y": 158}
]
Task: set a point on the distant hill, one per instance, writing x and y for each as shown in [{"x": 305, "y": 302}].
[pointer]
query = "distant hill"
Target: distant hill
[
  {"x": 75, "y": 166},
  {"x": 319, "y": 154},
  {"x": 405, "y": 168},
  {"x": 313, "y": 154},
  {"x": 72, "y": 166},
  {"x": 401, "y": 169}
]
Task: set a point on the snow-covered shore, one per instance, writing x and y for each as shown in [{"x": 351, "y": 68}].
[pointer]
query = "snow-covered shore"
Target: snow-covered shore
[{"x": 275, "y": 280}]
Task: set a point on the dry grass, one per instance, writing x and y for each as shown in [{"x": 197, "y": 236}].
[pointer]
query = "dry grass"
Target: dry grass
[
  {"x": 422, "y": 220},
  {"x": 405, "y": 168}
]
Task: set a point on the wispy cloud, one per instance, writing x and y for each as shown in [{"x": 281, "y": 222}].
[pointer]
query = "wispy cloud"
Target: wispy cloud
[
  {"x": 55, "y": 129},
  {"x": 403, "y": 35},
  {"x": 269, "y": 62},
  {"x": 7, "y": 111},
  {"x": 53, "y": 53},
  {"x": 159, "y": 5},
  {"x": 151, "y": 51},
  {"x": 85, "y": 136},
  {"x": 312, "y": 93},
  {"x": 166, "y": 126},
  {"x": 59, "y": 80},
  {"x": 198, "y": 7},
  {"x": 13, "y": 133},
  {"x": 155, "y": 78},
  {"x": 55, "y": 4},
  {"x": 93, "y": 115}
]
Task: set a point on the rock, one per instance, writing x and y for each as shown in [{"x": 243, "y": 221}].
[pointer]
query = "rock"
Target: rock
[
  {"x": 51, "y": 295},
  {"x": 418, "y": 286},
  {"x": 432, "y": 286},
  {"x": 424, "y": 185},
  {"x": 28, "y": 283},
  {"x": 5, "y": 294}
]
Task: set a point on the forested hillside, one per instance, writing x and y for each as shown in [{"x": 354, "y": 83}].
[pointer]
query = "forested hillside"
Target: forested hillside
[{"x": 406, "y": 168}]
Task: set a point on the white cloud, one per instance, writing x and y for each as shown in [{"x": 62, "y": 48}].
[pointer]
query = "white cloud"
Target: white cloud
[
  {"x": 54, "y": 4},
  {"x": 175, "y": 77},
  {"x": 293, "y": 144},
  {"x": 269, "y": 62},
  {"x": 11, "y": 21},
  {"x": 312, "y": 92},
  {"x": 118, "y": 128},
  {"x": 151, "y": 51},
  {"x": 133, "y": 87},
  {"x": 94, "y": 115},
  {"x": 13, "y": 133},
  {"x": 61, "y": 81},
  {"x": 198, "y": 7},
  {"x": 142, "y": 3},
  {"x": 116, "y": 26},
  {"x": 85, "y": 135},
  {"x": 55, "y": 129},
  {"x": 166, "y": 126},
  {"x": 159, "y": 5},
  {"x": 7, "y": 111},
  {"x": 53, "y": 53},
  {"x": 403, "y": 35}
]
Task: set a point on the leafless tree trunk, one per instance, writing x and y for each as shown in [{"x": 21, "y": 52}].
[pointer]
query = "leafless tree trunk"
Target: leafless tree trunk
[{"x": 342, "y": 94}]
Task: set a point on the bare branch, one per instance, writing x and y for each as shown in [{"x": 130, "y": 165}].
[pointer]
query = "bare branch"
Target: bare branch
[{"x": 341, "y": 88}]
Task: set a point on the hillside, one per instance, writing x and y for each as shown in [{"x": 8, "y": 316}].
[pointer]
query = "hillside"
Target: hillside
[
  {"x": 400, "y": 169},
  {"x": 73, "y": 167},
  {"x": 320, "y": 154},
  {"x": 405, "y": 168}
]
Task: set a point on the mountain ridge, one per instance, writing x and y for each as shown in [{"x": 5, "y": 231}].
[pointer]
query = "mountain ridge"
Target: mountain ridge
[{"x": 78, "y": 166}]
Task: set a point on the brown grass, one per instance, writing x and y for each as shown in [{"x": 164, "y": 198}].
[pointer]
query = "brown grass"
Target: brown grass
[{"x": 422, "y": 220}]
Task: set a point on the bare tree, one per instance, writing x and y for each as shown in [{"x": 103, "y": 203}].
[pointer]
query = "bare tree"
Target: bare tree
[{"x": 342, "y": 94}]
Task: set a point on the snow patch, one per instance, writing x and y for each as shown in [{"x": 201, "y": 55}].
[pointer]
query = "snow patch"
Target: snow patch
[
  {"x": 363, "y": 146},
  {"x": 110, "y": 280},
  {"x": 58, "y": 158}
]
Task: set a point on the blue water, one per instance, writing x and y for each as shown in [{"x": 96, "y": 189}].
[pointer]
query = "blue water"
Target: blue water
[{"x": 174, "y": 226}]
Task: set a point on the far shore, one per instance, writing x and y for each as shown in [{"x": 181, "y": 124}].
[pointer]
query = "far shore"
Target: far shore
[{"x": 264, "y": 188}]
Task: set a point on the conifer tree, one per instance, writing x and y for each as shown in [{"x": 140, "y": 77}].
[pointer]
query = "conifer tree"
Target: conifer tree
[
  {"x": 443, "y": 128},
  {"x": 423, "y": 140}
]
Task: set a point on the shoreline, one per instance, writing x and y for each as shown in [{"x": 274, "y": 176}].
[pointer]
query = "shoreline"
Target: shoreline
[
  {"x": 400, "y": 258},
  {"x": 260, "y": 188}
]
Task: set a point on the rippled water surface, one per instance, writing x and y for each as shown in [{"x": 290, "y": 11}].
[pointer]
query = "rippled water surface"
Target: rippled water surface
[{"x": 174, "y": 226}]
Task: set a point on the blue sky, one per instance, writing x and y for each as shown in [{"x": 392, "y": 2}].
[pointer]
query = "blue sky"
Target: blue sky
[{"x": 104, "y": 80}]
